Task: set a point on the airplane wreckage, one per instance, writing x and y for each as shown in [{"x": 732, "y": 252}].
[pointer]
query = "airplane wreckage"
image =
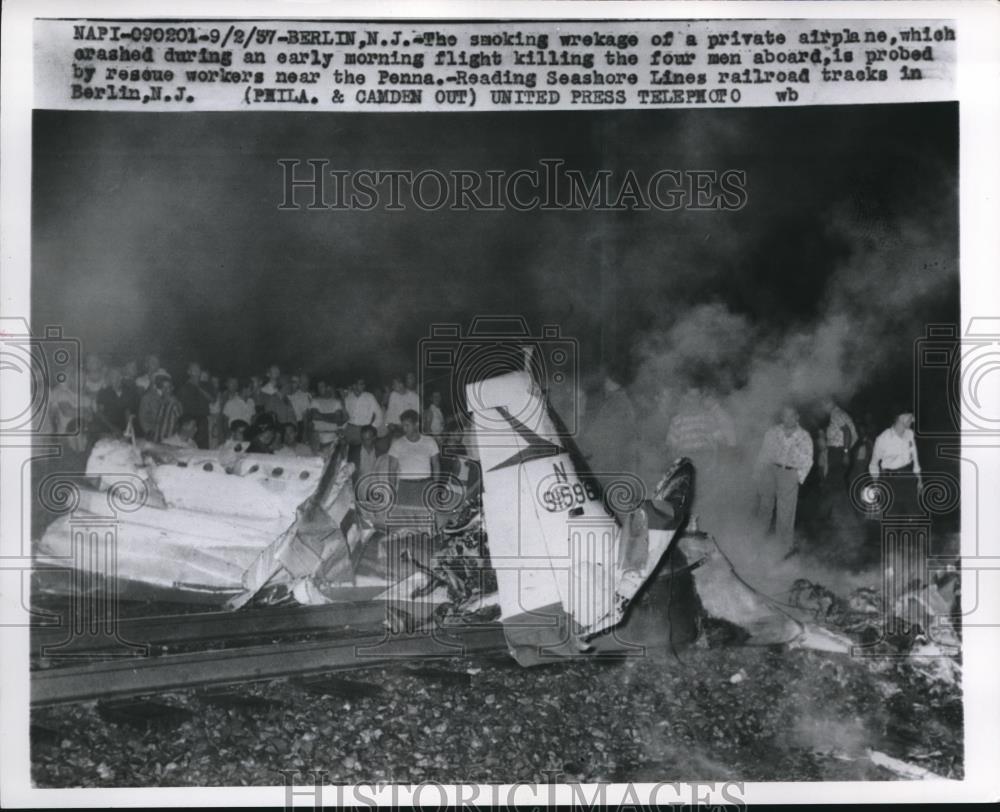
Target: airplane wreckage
[{"x": 526, "y": 537}]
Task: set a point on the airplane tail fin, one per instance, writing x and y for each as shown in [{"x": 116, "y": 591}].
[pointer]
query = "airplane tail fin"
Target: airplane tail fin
[{"x": 568, "y": 560}]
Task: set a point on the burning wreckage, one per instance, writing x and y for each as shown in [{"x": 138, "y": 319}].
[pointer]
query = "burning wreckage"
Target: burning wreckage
[{"x": 526, "y": 537}]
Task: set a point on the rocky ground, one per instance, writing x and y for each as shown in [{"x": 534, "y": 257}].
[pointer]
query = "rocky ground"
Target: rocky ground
[{"x": 729, "y": 713}]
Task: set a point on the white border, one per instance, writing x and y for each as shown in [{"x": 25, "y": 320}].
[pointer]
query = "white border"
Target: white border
[{"x": 979, "y": 96}]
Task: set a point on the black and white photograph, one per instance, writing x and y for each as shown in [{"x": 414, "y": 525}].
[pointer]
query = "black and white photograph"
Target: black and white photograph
[{"x": 578, "y": 448}]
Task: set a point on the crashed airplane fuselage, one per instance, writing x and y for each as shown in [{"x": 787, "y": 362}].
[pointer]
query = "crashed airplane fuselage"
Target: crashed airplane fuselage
[{"x": 236, "y": 528}]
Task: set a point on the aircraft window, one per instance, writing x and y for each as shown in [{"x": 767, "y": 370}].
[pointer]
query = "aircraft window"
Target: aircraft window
[
  {"x": 277, "y": 471},
  {"x": 207, "y": 467},
  {"x": 304, "y": 475},
  {"x": 253, "y": 469}
]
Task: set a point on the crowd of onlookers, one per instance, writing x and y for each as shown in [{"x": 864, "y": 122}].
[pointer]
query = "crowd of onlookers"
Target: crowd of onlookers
[{"x": 272, "y": 413}]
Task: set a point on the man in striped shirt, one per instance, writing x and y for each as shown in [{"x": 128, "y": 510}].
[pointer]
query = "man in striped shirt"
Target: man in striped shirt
[
  {"x": 703, "y": 431},
  {"x": 168, "y": 412}
]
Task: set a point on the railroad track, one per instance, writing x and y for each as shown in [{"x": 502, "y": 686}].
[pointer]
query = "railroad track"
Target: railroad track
[
  {"x": 77, "y": 637},
  {"x": 134, "y": 676},
  {"x": 78, "y": 661}
]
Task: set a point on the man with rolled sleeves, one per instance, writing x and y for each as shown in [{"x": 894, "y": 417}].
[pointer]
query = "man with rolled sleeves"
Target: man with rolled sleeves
[{"x": 785, "y": 457}]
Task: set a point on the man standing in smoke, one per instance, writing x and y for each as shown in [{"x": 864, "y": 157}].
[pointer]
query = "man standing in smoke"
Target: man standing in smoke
[
  {"x": 786, "y": 455},
  {"x": 703, "y": 431},
  {"x": 841, "y": 435},
  {"x": 895, "y": 458}
]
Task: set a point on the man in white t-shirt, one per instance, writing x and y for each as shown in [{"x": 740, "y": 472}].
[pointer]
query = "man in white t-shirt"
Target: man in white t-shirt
[{"x": 413, "y": 459}]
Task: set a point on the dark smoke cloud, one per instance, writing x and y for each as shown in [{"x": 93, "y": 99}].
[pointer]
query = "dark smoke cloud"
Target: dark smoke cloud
[
  {"x": 162, "y": 232},
  {"x": 868, "y": 316}
]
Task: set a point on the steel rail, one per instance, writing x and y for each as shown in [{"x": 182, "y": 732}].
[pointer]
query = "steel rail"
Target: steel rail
[
  {"x": 133, "y": 676},
  {"x": 75, "y": 636}
]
